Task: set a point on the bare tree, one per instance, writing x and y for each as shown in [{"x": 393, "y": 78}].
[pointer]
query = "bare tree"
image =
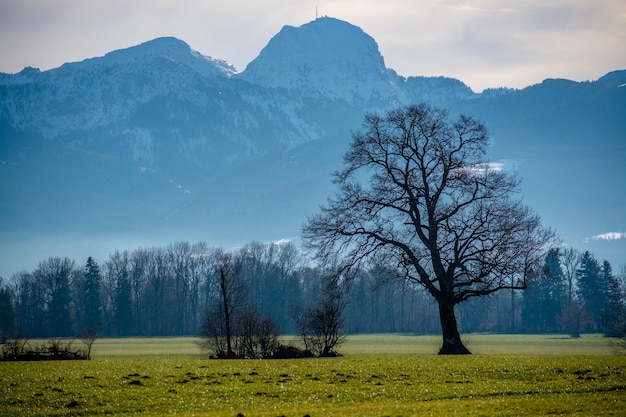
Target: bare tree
[
  {"x": 268, "y": 338},
  {"x": 320, "y": 324},
  {"x": 229, "y": 297},
  {"x": 181, "y": 259},
  {"x": 212, "y": 333},
  {"x": 50, "y": 286},
  {"x": 254, "y": 337},
  {"x": 88, "y": 336},
  {"x": 118, "y": 311},
  {"x": 268, "y": 269},
  {"x": 139, "y": 266},
  {"x": 199, "y": 260},
  {"x": 575, "y": 318},
  {"x": 233, "y": 327},
  {"x": 570, "y": 260},
  {"x": 416, "y": 188},
  {"x": 14, "y": 347},
  {"x": 245, "y": 331}
]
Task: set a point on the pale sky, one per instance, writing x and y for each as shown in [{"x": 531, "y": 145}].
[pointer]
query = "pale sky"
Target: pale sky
[{"x": 484, "y": 43}]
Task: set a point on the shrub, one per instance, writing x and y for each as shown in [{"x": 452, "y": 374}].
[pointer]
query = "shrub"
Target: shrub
[
  {"x": 17, "y": 348},
  {"x": 252, "y": 337}
]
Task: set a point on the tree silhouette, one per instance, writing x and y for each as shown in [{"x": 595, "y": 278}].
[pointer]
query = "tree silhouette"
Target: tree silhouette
[{"x": 416, "y": 189}]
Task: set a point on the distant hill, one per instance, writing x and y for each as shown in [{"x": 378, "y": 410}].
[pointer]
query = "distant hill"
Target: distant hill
[{"x": 159, "y": 142}]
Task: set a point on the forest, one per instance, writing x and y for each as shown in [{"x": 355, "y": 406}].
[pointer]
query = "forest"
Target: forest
[{"x": 170, "y": 291}]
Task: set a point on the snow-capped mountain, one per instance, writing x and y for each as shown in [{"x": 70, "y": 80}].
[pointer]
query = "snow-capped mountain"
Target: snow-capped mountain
[
  {"x": 99, "y": 92},
  {"x": 325, "y": 58},
  {"x": 332, "y": 59},
  {"x": 159, "y": 142}
]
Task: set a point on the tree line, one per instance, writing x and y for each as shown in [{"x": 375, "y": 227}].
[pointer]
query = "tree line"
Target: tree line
[
  {"x": 174, "y": 290},
  {"x": 422, "y": 228}
]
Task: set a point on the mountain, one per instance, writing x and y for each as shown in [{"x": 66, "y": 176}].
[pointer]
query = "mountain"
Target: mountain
[
  {"x": 326, "y": 58},
  {"x": 331, "y": 59},
  {"x": 158, "y": 142}
]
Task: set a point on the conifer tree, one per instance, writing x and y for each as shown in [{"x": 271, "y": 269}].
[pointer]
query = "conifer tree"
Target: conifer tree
[
  {"x": 6, "y": 311},
  {"x": 545, "y": 298},
  {"x": 614, "y": 316},
  {"x": 93, "y": 301},
  {"x": 591, "y": 289}
]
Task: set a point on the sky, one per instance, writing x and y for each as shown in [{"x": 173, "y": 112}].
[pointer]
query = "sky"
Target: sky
[{"x": 484, "y": 43}]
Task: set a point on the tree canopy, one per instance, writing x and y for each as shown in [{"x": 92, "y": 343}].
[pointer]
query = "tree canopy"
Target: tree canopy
[{"x": 416, "y": 188}]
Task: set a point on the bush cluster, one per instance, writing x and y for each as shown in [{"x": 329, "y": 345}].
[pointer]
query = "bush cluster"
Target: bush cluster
[{"x": 17, "y": 348}]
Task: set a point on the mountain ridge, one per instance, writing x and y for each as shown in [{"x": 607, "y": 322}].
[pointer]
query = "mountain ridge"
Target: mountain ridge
[{"x": 159, "y": 142}]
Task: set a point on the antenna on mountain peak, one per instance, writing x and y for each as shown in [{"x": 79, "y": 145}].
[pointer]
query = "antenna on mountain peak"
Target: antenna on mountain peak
[{"x": 316, "y": 12}]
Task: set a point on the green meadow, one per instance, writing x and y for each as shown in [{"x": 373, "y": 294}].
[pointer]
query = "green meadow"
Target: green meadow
[{"x": 379, "y": 375}]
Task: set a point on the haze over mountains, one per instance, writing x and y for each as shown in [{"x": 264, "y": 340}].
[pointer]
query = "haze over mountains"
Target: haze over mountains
[{"x": 157, "y": 143}]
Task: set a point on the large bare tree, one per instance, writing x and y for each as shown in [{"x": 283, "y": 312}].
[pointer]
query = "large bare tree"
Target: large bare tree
[{"x": 416, "y": 188}]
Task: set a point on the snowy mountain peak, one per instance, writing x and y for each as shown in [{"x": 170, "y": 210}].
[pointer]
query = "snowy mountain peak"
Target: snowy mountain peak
[
  {"x": 169, "y": 48},
  {"x": 100, "y": 91},
  {"x": 165, "y": 49},
  {"x": 325, "y": 57}
]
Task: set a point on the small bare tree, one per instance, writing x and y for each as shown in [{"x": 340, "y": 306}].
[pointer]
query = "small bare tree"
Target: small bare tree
[
  {"x": 88, "y": 336},
  {"x": 255, "y": 338},
  {"x": 320, "y": 325},
  {"x": 575, "y": 318},
  {"x": 252, "y": 337},
  {"x": 213, "y": 334},
  {"x": 14, "y": 347},
  {"x": 571, "y": 262},
  {"x": 268, "y": 334}
]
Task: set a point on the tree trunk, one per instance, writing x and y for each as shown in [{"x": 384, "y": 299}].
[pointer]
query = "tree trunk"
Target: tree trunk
[
  {"x": 512, "y": 311},
  {"x": 226, "y": 306},
  {"x": 452, "y": 344}
]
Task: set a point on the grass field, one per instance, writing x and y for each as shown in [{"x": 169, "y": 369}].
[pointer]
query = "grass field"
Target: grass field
[
  {"x": 380, "y": 375},
  {"x": 378, "y": 344}
]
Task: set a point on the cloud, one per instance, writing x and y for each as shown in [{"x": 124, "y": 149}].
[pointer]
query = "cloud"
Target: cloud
[
  {"x": 468, "y": 8},
  {"x": 482, "y": 169},
  {"x": 284, "y": 241},
  {"x": 488, "y": 167},
  {"x": 610, "y": 236}
]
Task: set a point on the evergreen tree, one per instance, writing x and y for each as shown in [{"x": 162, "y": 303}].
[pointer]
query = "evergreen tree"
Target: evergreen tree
[
  {"x": 93, "y": 300},
  {"x": 6, "y": 311},
  {"x": 591, "y": 289},
  {"x": 545, "y": 297},
  {"x": 614, "y": 314}
]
